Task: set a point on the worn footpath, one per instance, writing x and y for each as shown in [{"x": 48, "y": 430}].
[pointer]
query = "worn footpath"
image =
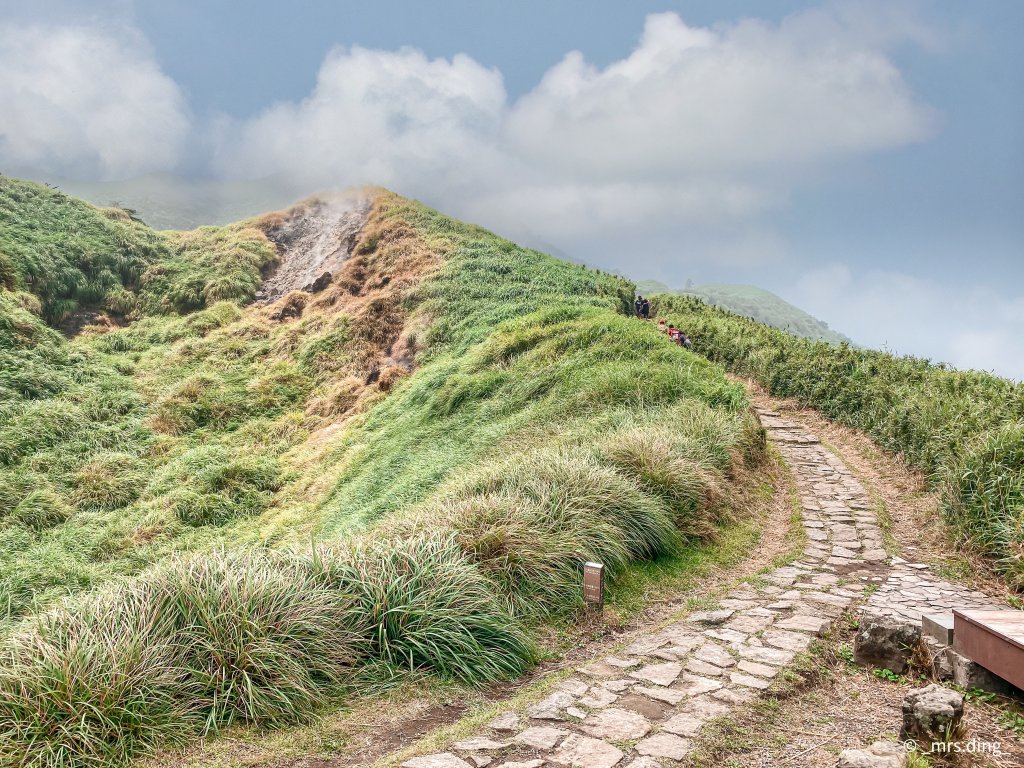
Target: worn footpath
[{"x": 643, "y": 706}]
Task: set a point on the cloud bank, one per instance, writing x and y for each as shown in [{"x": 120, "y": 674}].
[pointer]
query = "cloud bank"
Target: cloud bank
[
  {"x": 86, "y": 102},
  {"x": 708, "y": 127},
  {"x": 681, "y": 153}
]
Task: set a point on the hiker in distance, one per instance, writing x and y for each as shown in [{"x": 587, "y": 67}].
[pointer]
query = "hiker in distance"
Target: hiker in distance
[
  {"x": 642, "y": 307},
  {"x": 680, "y": 338}
]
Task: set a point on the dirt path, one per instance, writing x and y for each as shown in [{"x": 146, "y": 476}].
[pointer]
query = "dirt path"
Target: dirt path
[{"x": 650, "y": 702}]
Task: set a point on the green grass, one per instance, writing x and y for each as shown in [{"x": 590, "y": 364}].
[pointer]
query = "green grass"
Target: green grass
[
  {"x": 170, "y": 476},
  {"x": 69, "y": 253},
  {"x": 965, "y": 429}
]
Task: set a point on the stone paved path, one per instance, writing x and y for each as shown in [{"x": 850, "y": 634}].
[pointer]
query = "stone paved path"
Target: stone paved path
[{"x": 643, "y": 706}]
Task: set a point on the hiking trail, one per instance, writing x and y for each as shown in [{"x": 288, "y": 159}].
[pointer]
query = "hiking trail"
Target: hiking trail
[{"x": 644, "y": 705}]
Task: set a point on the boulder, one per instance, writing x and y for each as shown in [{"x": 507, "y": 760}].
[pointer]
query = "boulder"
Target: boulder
[
  {"x": 881, "y": 754},
  {"x": 932, "y": 714},
  {"x": 320, "y": 283},
  {"x": 970, "y": 674},
  {"x": 885, "y": 642}
]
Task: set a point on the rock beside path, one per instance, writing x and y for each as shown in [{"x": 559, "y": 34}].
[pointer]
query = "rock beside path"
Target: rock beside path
[
  {"x": 885, "y": 642},
  {"x": 932, "y": 714},
  {"x": 881, "y": 754}
]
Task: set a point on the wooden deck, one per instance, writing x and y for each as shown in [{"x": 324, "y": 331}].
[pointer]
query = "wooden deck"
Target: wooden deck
[{"x": 993, "y": 639}]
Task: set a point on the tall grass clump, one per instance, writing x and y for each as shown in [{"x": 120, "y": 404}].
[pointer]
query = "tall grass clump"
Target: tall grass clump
[
  {"x": 981, "y": 486},
  {"x": 425, "y": 607},
  {"x": 261, "y": 641},
  {"x": 206, "y": 266},
  {"x": 79, "y": 689},
  {"x": 960, "y": 427},
  {"x": 211, "y": 485},
  {"x": 196, "y": 644}
]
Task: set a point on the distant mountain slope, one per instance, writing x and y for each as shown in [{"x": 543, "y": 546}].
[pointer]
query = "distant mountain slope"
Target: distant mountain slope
[{"x": 757, "y": 303}]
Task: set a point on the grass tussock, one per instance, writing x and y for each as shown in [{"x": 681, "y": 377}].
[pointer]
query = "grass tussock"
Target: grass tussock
[{"x": 960, "y": 427}]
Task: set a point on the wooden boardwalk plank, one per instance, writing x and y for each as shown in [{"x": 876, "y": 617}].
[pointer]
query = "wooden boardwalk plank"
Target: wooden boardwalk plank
[{"x": 993, "y": 639}]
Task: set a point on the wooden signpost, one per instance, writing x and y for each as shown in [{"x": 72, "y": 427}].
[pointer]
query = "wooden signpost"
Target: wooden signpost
[{"x": 593, "y": 585}]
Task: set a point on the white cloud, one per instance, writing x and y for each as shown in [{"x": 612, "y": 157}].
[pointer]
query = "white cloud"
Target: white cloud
[
  {"x": 699, "y": 132},
  {"x": 968, "y": 327},
  {"x": 85, "y": 101},
  {"x": 739, "y": 99},
  {"x": 378, "y": 117}
]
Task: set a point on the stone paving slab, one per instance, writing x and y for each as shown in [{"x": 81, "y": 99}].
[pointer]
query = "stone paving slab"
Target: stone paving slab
[{"x": 641, "y": 707}]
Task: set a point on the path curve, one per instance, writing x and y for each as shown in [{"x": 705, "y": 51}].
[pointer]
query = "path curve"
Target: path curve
[{"x": 648, "y": 701}]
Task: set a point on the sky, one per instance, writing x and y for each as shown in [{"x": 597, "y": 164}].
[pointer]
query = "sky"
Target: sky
[{"x": 864, "y": 160}]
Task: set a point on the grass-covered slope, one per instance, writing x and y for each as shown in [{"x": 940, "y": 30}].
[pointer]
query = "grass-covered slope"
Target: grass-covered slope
[
  {"x": 757, "y": 304},
  {"x": 459, "y": 423},
  {"x": 73, "y": 256},
  {"x": 964, "y": 428},
  {"x": 69, "y": 253}
]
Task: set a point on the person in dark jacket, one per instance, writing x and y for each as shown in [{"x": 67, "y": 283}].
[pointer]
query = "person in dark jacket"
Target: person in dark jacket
[
  {"x": 638, "y": 305},
  {"x": 645, "y": 309}
]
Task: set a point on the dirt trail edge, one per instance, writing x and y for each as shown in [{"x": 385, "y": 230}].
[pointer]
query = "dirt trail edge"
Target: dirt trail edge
[{"x": 643, "y": 706}]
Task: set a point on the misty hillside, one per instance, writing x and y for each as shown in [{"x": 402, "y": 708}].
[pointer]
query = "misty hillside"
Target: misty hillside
[
  {"x": 454, "y": 419},
  {"x": 756, "y": 303}
]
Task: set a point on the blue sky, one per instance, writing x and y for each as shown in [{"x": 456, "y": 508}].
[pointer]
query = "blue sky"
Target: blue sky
[{"x": 862, "y": 159}]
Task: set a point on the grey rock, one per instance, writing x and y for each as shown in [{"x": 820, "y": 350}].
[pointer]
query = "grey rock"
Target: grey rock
[
  {"x": 506, "y": 721},
  {"x": 668, "y": 695},
  {"x": 541, "y": 737},
  {"x": 748, "y": 680},
  {"x": 698, "y": 667},
  {"x": 615, "y": 661},
  {"x": 942, "y": 668},
  {"x": 881, "y": 754},
  {"x": 586, "y": 752},
  {"x": 712, "y": 618},
  {"x": 616, "y": 724},
  {"x": 970, "y": 674},
  {"x": 645, "y": 646},
  {"x": 714, "y": 654},
  {"x": 552, "y": 707},
  {"x": 787, "y": 641},
  {"x": 801, "y": 623},
  {"x": 773, "y": 656},
  {"x": 931, "y": 714},
  {"x": 617, "y": 686},
  {"x": 643, "y": 762},
  {"x": 659, "y": 674},
  {"x": 573, "y": 686},
  {"x": 598, "y": 697},
  {"x": 522, "y": 764},
  {"x": 479, "y": 744},
  {"x": 885, "y": 642},
  {"x": 664, "y": 745},
  {"x": 440, "y": 760},
  {"x": 694, "y": 685},
  {"x": 761, "y": 670}
]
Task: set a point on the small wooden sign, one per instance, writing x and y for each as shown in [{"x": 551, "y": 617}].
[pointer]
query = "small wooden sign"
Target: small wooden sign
[{"x": 593, "y": 585}]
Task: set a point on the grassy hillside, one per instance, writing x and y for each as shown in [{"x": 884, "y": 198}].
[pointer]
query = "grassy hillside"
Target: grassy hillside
[
  {"x": 965, "y": 429},
  {"x": 73, "y": 257},
  {"x": 457, "y": 422},
  {"x": 757, "y": 304}
]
